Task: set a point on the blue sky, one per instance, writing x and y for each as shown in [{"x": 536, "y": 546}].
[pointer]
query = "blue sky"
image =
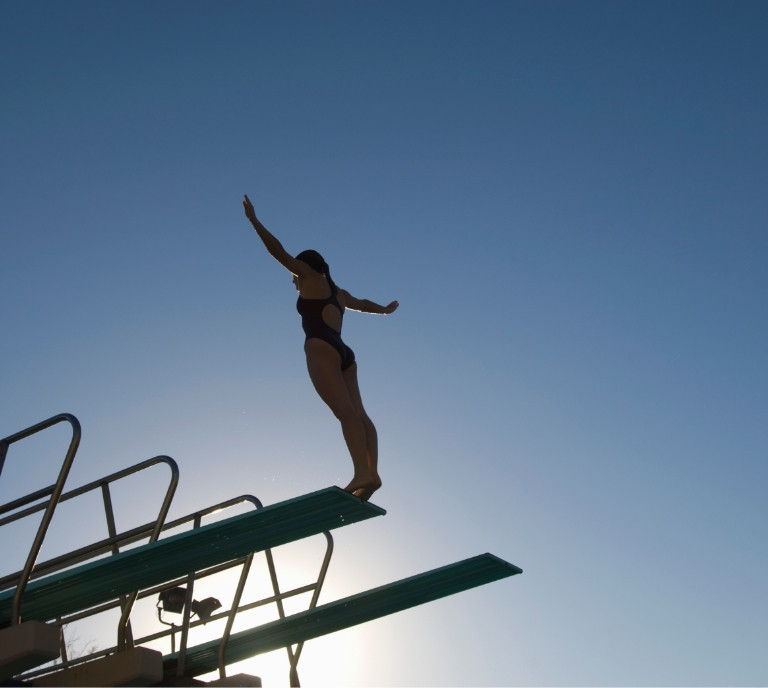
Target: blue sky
[{"x": 568, "y": 200}]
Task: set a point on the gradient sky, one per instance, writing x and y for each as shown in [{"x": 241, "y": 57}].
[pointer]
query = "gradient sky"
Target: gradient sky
[{"x": 569, "y": 201}]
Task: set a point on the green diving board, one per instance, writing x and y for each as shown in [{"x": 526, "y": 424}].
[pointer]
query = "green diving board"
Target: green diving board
[
  {"x": 106, "y": 579},
  {"x": 346, "y": 612}
]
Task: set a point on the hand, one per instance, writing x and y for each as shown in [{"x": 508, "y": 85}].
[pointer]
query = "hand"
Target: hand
[
  {"x": 391, "y": 308},
  {"x": 250, "y": 213}
]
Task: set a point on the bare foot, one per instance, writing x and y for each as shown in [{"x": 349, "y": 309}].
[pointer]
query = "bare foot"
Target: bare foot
[
  {"x": 364, "y": 488},
  {"x": 365, "y": 493}
]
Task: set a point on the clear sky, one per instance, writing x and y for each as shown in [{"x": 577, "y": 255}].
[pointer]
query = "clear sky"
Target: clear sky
[{"x": 569, "y": 201}]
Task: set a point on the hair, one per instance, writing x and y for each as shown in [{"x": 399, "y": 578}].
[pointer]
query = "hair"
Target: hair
[{"x": 318, "y": 264}]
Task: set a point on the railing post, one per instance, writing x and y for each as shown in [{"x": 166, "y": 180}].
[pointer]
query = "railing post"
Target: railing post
[
  {"x": 187, "y": 611},
  {"x": 232, "y": 612},
  {"x": 124, "y": 632},
  {"x": 109, "y": 512}
]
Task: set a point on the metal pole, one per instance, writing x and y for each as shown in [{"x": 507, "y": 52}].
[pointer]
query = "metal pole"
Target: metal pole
[
  {"x": 187, "y": 613},
  {"x": 232, "y": 614},
  {"x": 124, "y": 635}
]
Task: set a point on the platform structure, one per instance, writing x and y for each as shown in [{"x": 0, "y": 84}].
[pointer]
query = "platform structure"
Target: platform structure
[{"x": 148, "y": 561}]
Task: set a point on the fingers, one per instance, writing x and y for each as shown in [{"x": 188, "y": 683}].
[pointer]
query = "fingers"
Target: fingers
[{"x": 249, "y": 211}]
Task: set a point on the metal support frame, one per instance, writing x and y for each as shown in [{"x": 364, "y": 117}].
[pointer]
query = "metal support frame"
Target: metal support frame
[
  {"x": 115, "y": 540},
  {"x": 246, "y": 563},
  {"x": 111, "y": 544},
  {"x": 277, "y": 597}
]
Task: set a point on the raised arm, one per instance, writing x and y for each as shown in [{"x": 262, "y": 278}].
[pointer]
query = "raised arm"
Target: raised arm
[
  {"x": 365, "y": 305},
  {"x": 271, "y": 242}
]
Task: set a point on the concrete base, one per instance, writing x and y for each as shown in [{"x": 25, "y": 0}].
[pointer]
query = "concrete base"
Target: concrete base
[
  {"x": 27, "y": 645},
  {"x": 244, "y": 680},
  {"x": 137, "y": 667}
]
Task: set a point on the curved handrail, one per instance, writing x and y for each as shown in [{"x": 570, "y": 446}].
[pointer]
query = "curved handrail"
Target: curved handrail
[
  {"x": 128, "y": 606},
  {"x": 54, "y": 491},
  {"x": 107, "y": 544}
]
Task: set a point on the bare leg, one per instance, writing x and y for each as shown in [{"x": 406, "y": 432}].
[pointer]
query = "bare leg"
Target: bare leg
[
  {"x": 371, "y": 436},
  {"x": 323, "y": 364}
]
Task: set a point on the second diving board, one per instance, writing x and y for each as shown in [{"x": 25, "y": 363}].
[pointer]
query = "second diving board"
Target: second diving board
[
  {"x": 106, "y": 579},
  {"x": 346, "y": 612}
]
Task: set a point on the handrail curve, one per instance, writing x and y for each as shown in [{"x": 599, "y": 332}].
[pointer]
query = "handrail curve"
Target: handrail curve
[{"x": 53, "y": 492}]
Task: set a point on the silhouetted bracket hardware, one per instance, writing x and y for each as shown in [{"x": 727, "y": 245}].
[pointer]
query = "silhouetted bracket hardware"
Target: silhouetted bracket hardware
[
  {"x": 346, "y": 612},
  {"x": 106, "y": 579}
]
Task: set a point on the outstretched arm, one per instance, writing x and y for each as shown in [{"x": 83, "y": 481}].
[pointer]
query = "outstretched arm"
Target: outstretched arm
[
  {"x": 365, "y": 305},
  {"x": 271, "y": 242}
]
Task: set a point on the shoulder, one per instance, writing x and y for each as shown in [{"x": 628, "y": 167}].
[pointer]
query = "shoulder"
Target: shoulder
[{"x": 346, "y": 300}]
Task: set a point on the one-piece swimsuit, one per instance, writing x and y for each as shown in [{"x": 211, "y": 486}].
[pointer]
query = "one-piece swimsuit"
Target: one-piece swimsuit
[{"x": 311, "y": 311}]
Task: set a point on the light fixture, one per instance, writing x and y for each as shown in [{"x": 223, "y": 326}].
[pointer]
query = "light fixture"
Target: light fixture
[
  {"x": 204, "y": 608},
  {"x": 172, "y": 600}
]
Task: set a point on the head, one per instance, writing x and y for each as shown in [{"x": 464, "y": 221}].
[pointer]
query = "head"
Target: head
[
  {"x": 318, "y": 264},
  {"x": 314, "y": 260}
]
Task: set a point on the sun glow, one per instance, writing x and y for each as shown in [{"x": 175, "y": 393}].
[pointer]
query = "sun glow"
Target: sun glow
[{"x": 325, "y": 662}]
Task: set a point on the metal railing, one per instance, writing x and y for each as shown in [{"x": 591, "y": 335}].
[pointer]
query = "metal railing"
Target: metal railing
[
  {"x": 277, "y": 598},
  {"x": 109, "y": 545},
  {"x": 53, "y": 492},
  {"x": 26, "y": 506}
]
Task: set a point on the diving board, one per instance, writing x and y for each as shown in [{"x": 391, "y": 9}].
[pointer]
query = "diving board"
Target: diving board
[
  {"x": 346, "y": 612},
  {"x": 106, "y": 579}
]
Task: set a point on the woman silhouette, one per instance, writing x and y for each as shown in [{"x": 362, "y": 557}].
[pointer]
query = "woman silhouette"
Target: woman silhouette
[{"x": 330, "y": 362}]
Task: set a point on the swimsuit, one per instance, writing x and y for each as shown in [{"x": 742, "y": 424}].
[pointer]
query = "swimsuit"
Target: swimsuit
[{"x": 311, "y": 311}]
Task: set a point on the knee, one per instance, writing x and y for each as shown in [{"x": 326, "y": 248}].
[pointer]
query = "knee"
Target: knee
[{"x": 346, "y": 413}]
